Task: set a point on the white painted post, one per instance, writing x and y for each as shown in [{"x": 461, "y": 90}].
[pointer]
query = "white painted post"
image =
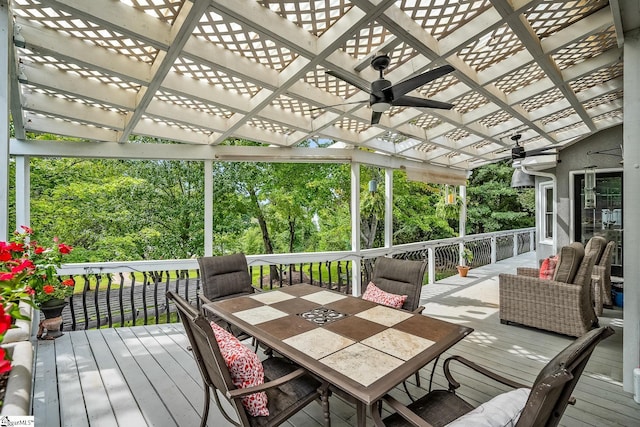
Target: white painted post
[
  {"x": 208, "y": 207},
  {"x": 356, "y": 269},
  {"x": 23, "y": 196},
  {"x": 631, "y": 170},
  {"x": 388, "y": 208},
  {"x": 494, "y": 249},
  {"x": 462, "y": 222},
  {"x": 5, "y": 45},
  {"x": 432, "y": 265}
]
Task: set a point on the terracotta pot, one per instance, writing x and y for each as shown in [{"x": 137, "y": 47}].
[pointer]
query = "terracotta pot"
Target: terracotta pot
[{"x": 463, "y": 270}]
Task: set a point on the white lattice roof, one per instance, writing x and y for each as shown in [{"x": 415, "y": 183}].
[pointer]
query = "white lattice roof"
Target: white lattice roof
[{"x": 203, "y": 71}]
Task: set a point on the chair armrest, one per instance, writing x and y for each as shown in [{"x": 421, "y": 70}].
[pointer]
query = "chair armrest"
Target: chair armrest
[
  {"x": 204, "y": 299},
  {"x": 528, "y": 271},
  {"x": 401, "y": 410},
  {"x": 453, "y": 384},
  {"x": 419, "y": 310},
  {"x": 240, "y": 392}
]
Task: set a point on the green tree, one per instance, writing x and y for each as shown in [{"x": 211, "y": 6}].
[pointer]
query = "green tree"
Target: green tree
[{"x": 493, "y": 205}]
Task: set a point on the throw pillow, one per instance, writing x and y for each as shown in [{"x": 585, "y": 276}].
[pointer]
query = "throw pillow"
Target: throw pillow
[
  {"x": 245, "y": 369},
  {"x": 377, "y": 295},
  {"x": 502, "y": 410},
  {"x": 548, "y": 267}
]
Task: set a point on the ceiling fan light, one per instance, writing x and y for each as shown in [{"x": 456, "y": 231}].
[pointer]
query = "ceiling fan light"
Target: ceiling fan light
[
  {"x": 380, "y": 107},
  {"x": 521, "y": 179}
]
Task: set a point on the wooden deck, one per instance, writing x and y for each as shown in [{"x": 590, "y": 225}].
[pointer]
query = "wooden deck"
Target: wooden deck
[{"x": 145, "y": 376}]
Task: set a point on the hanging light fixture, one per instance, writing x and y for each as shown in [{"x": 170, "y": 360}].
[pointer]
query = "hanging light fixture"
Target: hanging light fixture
[
  {"x": 521, "y": 179},
  {"x": 373, "y": 186},
  {"x": 449, "y": 194},
  {"x": 590, "y": 187}
]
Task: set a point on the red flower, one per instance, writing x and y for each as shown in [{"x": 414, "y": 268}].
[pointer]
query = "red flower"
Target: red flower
[
  {"x": 22, "y": 266},
  {"x": 64, "y": 249},
  {"x": 5, "y": 321},
  {"x": 6, "y": 276},
  {"x": 16, "y": 247},
  {"x": 5, "y": 255},
  {"x": 68, "y": 282},
  {"x": 5, "y": 364},
  {"x": 30, "y": 290},
  {"x": 27, "y": 229},
  {"x": 39, "y": 250},
  {"x": 48, "y": 289}
]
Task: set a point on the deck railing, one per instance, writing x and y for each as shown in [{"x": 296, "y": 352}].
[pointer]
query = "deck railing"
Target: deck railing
[{"x": 126, "y": 293}]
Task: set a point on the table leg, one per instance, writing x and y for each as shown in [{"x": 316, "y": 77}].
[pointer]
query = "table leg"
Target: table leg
[{"x": 361, "y": 414}]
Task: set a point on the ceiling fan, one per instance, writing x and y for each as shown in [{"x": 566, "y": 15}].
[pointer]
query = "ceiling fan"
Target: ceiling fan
[
  {"x": 383, "y": 95},
  {"x": 518, "y": 152}
]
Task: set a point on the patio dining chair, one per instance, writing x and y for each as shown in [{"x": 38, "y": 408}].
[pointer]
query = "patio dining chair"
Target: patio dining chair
[
  {"x": 401, "y": 277},
  {"x": 224, "y": 277},
  {"x": 288, "y": 387},
  {"x": 541, "y": 404}
]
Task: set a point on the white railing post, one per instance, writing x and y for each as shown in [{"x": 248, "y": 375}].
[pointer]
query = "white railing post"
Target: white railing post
[
  {"x": 431, "y": 265},
  {"x": 515, "y": 244},
  {"x": 494, "y": 249},
  {"x": 532, "y": 243}
]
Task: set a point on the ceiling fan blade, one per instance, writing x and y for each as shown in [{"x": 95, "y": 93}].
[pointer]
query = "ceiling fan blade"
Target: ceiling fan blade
[
  {"x": 408, "y": 85},
  {"x": 338, "y": 105},
  {"x": 540, "y": 151},
  {"x": 412, "y": 101},
  {"x": 347, "y": 78},
  {"x": 375, "y": 117}
]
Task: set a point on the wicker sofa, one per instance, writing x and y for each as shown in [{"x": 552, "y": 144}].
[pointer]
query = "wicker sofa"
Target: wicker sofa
[
  {"x": 562, "y": 304},
  {"x": 601, "y": 279}
]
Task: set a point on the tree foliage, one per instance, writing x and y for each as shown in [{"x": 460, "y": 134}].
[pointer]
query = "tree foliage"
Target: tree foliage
[
  {"x": 493, "y": 205},
  {"x": 126, "y": 210}
]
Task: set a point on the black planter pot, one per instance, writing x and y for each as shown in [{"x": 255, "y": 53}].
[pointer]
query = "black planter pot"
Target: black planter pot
[{"x": 52, "y": 322}]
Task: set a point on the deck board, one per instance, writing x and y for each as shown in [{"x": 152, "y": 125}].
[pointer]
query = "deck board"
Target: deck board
[{"x": 145, "y": 375}]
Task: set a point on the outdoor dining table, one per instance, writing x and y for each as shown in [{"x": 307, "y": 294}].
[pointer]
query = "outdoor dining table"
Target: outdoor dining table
[{"x": 362, "y": 348}]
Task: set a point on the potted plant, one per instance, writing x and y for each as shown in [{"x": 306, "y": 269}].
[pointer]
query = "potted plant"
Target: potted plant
[
  {"x": 16, "y": 351},
  {"x": 467, "y": 256},
  {"x": 48, "y": 291}
]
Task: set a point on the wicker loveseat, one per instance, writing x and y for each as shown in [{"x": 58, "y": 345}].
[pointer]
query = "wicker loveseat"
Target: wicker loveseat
[{"x": 562, "y": 304}]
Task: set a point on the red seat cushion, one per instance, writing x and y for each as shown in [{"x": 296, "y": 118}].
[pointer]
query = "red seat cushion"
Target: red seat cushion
[
  {"x": 548, "y": 267},
  {"x": 377, "y": 295}
]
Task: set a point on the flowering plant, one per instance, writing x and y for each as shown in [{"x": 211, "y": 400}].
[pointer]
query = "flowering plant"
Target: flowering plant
[
  {"x": 15, "y": 271},
  {"x": 28, "y": 267}
]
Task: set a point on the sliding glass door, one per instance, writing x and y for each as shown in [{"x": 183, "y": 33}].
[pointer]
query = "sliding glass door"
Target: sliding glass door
[{"x": 602, "y": 218}]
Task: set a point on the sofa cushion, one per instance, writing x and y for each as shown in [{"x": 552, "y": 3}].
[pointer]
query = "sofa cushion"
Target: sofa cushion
[
  {"x": 583, "y": 276},
  {"x": 569, "y": 259},
  {"x": 377, "y": 295},
  {"x": 548, "y": 268},
  {"x": 595, "y": 246},
  {"x": 502, "y": 410},
  {"x": 245, "y": 369}
]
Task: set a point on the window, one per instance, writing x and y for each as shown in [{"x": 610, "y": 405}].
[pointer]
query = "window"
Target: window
[{"x": 547, "y": 200}]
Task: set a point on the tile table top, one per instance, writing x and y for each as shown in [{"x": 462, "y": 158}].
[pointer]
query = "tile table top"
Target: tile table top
[{"x": 365, "y": 352}]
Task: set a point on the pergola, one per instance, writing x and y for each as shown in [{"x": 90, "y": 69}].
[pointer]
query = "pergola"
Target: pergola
[{"x": 200, "y": 72}]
